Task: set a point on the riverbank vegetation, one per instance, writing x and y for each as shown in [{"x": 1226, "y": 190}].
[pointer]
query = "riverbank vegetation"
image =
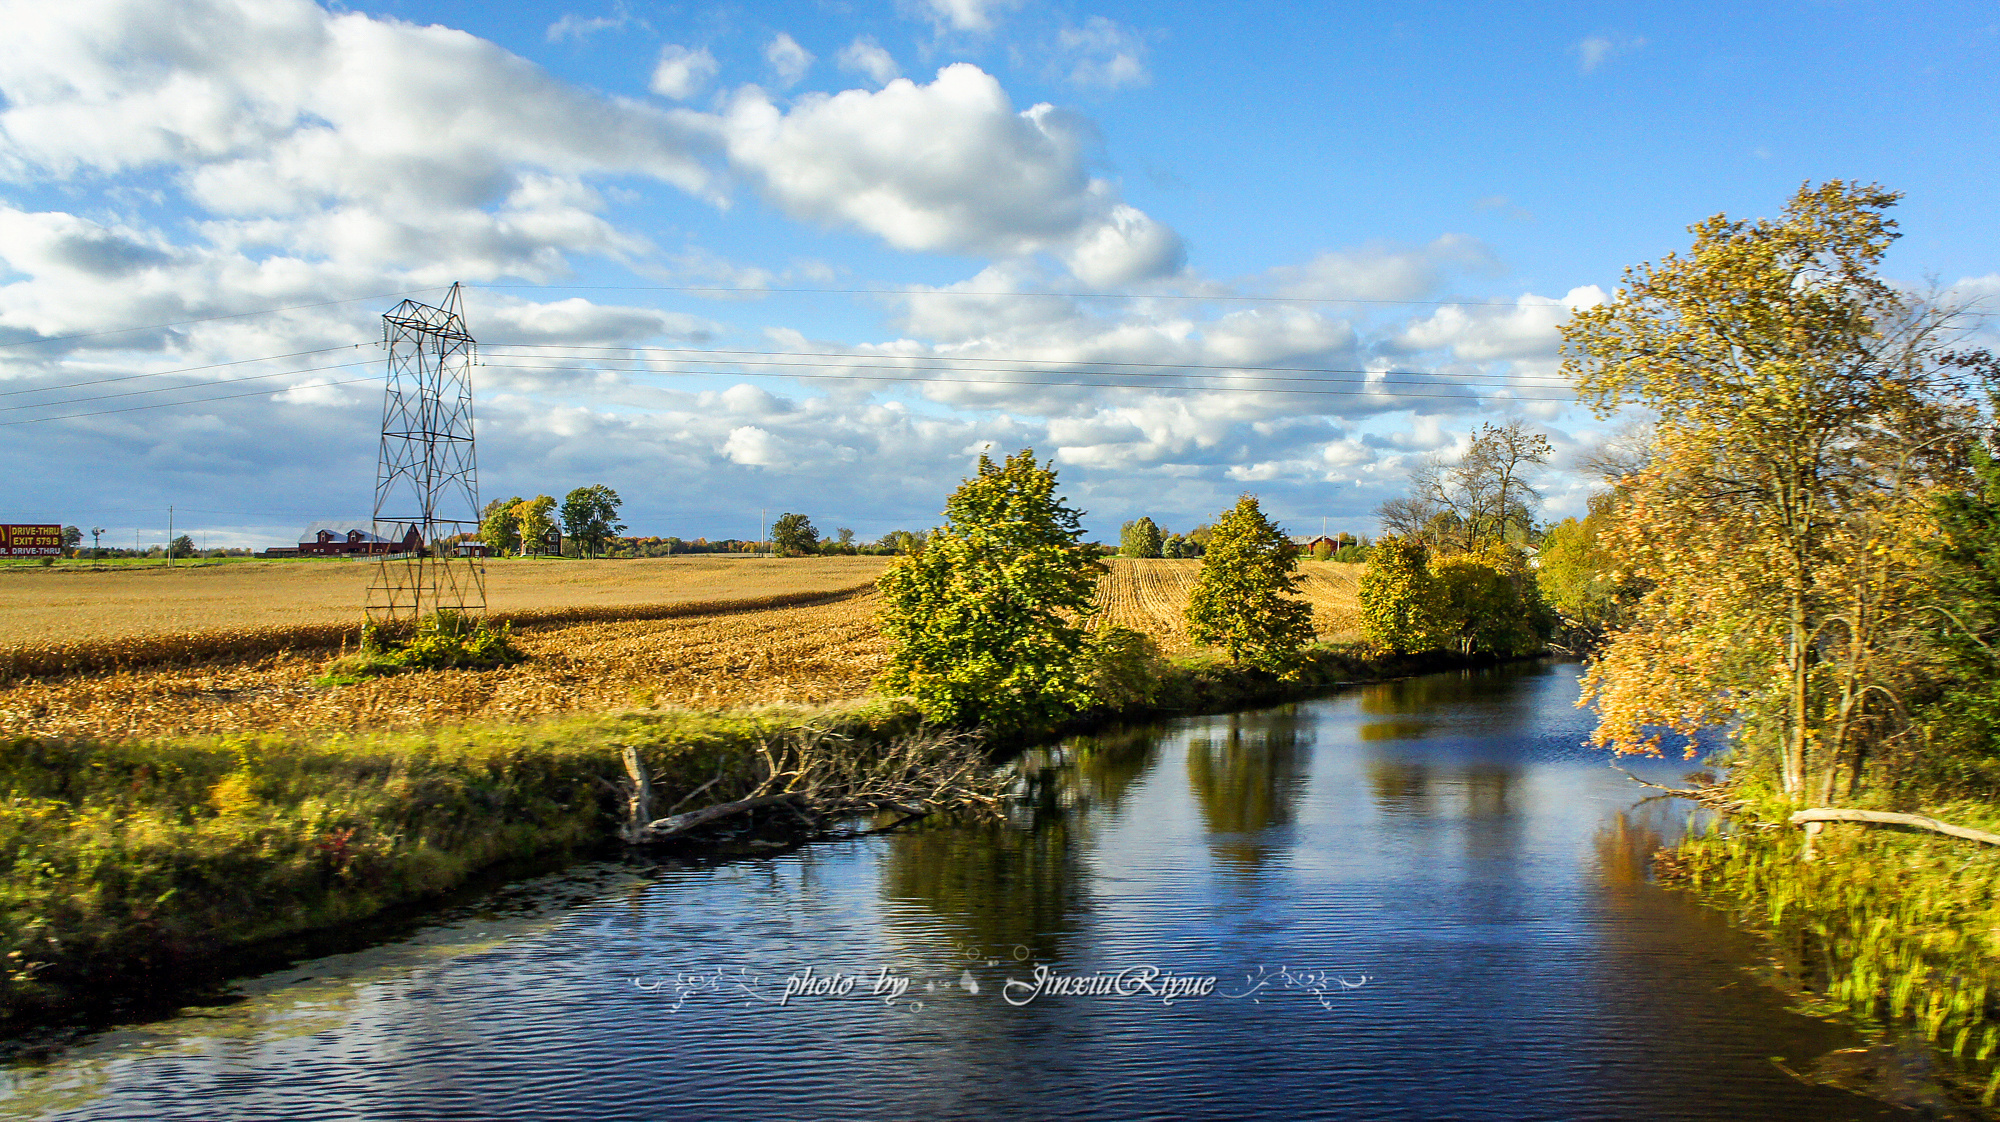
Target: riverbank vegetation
[
  {"x": 1803, "y": 552},
  {"x": 130, "y": 863}
]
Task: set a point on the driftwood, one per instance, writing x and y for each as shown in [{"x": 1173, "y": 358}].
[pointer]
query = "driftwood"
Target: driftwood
[
  {"x": 1818, "y": 815},
  {"x": 818, "y": 777},
  {"x": 1709, "y": 796}
]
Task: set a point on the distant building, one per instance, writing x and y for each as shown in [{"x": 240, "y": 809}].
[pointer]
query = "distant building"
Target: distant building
[{"x": 330, "y": 539}]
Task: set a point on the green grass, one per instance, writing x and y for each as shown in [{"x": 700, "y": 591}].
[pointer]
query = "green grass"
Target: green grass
[
  {"x": 125, "y": 862},
  {"x": 1889, "y": 928}
]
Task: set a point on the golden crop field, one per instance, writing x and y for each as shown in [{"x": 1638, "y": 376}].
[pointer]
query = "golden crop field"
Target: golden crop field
[
  {"x": 1152, "y": 595},
  {"x": 66, "y": 602},
  {"x": 724, "y": 656}
]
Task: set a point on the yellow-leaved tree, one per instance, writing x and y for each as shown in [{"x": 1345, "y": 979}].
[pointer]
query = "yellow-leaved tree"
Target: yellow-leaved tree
[{"x": 1804, "y": 417}]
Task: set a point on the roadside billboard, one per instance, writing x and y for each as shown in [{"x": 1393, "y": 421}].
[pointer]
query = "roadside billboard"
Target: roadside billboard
[{"x": 30, "y": 541}]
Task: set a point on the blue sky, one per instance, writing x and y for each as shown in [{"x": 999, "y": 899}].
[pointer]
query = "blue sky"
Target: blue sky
[{"x": 887, "y": 187}]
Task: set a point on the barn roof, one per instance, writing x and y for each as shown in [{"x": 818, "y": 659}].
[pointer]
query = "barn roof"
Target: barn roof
[{"x": 370, "y": 531}]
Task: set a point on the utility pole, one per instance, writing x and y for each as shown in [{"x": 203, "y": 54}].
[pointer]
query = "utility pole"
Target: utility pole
[
  {"x": 170, "y": 536},
  {"x": 763, "y": 521}
]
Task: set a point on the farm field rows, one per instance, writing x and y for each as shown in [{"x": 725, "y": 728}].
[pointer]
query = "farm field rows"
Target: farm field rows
[
  {"x": 806, "y": 654},
  {"x": 76, "y": 603}
]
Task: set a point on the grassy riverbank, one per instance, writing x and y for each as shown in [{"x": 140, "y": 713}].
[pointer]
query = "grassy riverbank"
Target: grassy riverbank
[
  {"x": 1894, "y": 929},
  {"x": 132, "y": 862}
]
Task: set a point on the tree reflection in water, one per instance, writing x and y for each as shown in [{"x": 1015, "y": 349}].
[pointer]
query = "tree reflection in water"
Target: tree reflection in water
[{"x": 1248, "y": 781}]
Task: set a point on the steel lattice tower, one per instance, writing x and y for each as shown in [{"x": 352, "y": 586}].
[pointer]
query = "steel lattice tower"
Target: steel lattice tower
[{"x": 428, "y": 478}]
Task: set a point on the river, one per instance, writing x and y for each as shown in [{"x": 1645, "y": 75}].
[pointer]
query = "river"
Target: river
[{"x": 1421, "y": 899}]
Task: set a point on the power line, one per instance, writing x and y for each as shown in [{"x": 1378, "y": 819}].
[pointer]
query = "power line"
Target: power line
[
  {"x": 1015, "y": 382},
  {"x": 213, "y": 319},
  {"x": 171, "y": 389},
  {"x": 1139, "y": 369},
  {"x": 171, "y": 404},
  {"x": 181, "y": 370},
  {"x": 966, "y": 292}
]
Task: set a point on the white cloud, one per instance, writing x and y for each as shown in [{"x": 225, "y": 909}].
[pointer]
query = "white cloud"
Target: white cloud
[
  {"x": 866, "y": 56},
  {"x": 573, "y": 26},
  {"x": 1527, "y": 330},
  {"x": 1596, "y": 50},
  {"x": 1381, "y": 271},
  {"x": 681, "y": 73},
  {"x": 1102, "y": 54},
  {"x": 788, "y": 61},
  {"x": 964, "y": 15},
  {"x": 950, "y": 166}
]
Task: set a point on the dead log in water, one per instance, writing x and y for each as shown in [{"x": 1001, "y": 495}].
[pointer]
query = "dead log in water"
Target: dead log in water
[{"x": 819, "y": 778}]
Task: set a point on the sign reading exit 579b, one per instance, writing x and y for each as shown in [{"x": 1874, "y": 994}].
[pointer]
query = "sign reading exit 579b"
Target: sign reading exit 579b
[{"x": 30, "y": 541}]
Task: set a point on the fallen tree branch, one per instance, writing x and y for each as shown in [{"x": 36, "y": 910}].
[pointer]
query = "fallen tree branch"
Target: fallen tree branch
[
  {"x": 810, "y": 778},
  {"x": 1888, "y": 818},
  {"x": 664, "y": 828},
  {"x": 1707, "y": 796}
]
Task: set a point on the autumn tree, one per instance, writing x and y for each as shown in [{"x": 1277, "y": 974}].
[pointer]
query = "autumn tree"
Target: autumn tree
[
  {"x": 1484, "y": 495},
  {"x": 985, "y": 619},
  {"x": 534, "y": 521},
  {"x": 1140, "y": 538},
  {"x": 794, "y": 535},
  {"x": 590, "y": 517},
  {"x": 1245, "y": 599},
  {"x": 1801, "y": 412},
  {"x": 1399, "y": 599},
  {"x": 500, "y": 526}
]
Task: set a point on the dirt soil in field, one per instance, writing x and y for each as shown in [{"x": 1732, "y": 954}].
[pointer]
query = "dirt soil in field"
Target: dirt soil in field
[{"x": 810, "y": 654}]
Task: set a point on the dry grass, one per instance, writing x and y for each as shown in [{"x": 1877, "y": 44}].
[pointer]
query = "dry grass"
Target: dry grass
[{"x": 702, "y": 654}]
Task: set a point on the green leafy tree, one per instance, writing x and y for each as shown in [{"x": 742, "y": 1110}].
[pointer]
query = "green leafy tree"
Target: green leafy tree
[
  {"x": 535, "y": 520},
  {"x": 1490, "y": 603},
  {"x": 1400, "y": 599},
  {"x": 984, "y": 620},
  {"x": 590, "y": 517},
  {"x": 71, "y": 538},
  {"x": 500, "y": 528},
  {"x": 1245, "y": 599},
  {"x": 182, "y": 546},
  {"x": 1139, "y": 538},
  {"x": 793, "y": 535},
  {"x": 1579, "y": 578}
]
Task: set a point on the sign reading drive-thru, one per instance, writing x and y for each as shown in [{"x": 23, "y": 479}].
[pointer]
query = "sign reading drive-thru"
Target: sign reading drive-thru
[{"x": 30, "y": 541}]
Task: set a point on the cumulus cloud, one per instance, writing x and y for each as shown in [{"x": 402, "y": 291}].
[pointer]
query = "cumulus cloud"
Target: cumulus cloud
[
  {"x": 788, "y": 61},
  {"x": 682, "y": 73},
  {"x": 866, "y": 56},
  {"x": 1527, "y": 330},
  {"x": 1102, "y": 54},
  {"x": 950, "y": 166}
]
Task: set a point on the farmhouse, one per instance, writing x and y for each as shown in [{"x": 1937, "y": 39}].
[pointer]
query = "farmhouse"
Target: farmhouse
[{"x": 322, "y": 539}]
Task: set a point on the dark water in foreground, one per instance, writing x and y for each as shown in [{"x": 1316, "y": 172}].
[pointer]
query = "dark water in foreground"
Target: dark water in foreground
[{"x": 1418, "y": 900}]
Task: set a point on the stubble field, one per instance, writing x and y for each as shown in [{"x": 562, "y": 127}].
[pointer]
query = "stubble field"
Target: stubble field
[{"x": 731, "y": 649}]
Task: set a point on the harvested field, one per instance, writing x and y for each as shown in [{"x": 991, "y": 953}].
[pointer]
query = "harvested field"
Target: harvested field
[
  {"x": 1152, "y": 595},
  {"x": 805, "y": 638},
  {"x": 818, "y": 653},
  {"x": 72, "y": 602}
]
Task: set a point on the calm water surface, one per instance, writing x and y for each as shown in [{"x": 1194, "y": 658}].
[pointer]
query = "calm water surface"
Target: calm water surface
[{"x": 1418, "y": 900}]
